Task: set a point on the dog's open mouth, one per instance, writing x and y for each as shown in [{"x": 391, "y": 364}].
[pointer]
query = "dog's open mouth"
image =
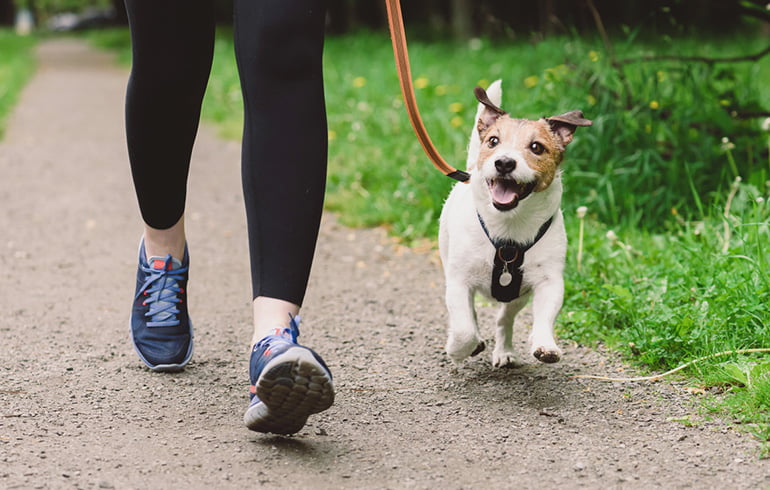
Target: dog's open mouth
[{"x": 506, "y": 193}]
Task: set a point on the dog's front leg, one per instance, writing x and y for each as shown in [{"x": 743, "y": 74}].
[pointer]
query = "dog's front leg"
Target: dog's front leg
[
  {"x": 502, "y": 355},
  {"x": 464, "y": 339},
  {"x": 547, "y": 301}
]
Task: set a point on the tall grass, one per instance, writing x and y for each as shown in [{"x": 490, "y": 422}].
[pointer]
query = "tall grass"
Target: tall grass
[{"x": 16, "y": 67}]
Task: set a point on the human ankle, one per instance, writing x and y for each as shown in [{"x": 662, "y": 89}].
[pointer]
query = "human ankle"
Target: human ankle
[
  {"x": 162, "y": 242},
  {"x": 271, "y": 317}
]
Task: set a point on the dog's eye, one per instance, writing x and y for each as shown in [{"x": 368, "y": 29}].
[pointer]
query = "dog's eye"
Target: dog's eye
[
  {"x": 493, "y": 141},
  {"x": 536, "y": 148}
]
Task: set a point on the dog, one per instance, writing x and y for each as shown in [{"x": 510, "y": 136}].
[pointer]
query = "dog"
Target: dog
[{"x": 503, "y": 234}]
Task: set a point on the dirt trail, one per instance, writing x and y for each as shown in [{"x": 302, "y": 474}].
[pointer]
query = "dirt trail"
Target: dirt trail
[{"x": 78, "y": 410}]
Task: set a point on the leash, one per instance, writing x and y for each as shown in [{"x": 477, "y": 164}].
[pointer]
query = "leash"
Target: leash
[{"x": 398, "y": 38}]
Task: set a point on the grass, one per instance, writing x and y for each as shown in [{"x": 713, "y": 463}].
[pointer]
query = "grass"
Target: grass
[
  {"x": 16, "y": 67},
  {"x": 673, "y": 259}
]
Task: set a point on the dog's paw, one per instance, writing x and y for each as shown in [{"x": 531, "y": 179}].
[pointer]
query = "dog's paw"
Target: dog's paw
[
  {"x": 458, "y": 351},
  {"x": 504, "y": 359},
  {"x": 479, "y": 348},
  {"x": 548, "y": 355}
]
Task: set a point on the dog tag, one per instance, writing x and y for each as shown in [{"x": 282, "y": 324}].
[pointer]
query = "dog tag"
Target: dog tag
[{"x": 505, "y": 278}]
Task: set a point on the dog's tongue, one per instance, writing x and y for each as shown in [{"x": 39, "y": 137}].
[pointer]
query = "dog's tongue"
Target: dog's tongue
[{"x": 504, "y": 191}]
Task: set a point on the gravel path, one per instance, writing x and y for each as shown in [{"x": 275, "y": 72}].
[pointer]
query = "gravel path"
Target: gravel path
[{"x": 77, "y": 410}]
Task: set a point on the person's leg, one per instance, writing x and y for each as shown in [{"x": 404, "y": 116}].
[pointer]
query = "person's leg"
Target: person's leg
[
  {"x": 279, "y": 48},
  {"x": 172, "y": 42}
]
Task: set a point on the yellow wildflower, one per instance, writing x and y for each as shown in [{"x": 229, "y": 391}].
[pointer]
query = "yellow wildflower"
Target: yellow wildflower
[
  {"x": 421, "y": 83},
  {"x": 530, "y": 82},
  {"x": 654, "y": 105},
  {"x": 591, "y": 99},
  {"x": 359, "y": 82},
  {"x": 332, "y": 135},
  {"x": 593, "y": 55},
  {"x": 456, "y": 122},
  {"x": 455, "y": 107}
]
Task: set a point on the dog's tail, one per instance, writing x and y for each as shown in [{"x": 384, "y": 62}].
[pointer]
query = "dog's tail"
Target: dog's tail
[{"x": 495, "y": 94}]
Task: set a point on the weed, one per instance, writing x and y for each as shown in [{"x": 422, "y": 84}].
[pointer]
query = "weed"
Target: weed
[{"x": 16, "y": 68}]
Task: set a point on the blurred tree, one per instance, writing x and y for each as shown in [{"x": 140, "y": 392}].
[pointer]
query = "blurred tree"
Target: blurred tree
[
  {"x": 121, "y": 17},
  {"x": 462, "y": 19},
  {"x": 7, "y": 12}
]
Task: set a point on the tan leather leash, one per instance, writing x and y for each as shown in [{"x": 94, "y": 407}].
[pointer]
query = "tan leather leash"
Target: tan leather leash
[{"x": 398, "y": 38}]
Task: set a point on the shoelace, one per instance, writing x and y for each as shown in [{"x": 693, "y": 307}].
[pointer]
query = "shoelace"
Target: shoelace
[
  {"x": 161, "y": 291},
  {"x": 292, "y": 330}
]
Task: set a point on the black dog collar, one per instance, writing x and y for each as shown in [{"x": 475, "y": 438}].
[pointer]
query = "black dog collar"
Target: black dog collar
[{"x": 509, "y": 257}]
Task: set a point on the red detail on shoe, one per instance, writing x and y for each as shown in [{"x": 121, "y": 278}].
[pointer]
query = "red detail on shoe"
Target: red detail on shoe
[
  {"x": 278, "y": 331},
  {"x": 160, "y": 264},
  {"x": 252, "y": 389},
  {"x": 267, "y": 352}
]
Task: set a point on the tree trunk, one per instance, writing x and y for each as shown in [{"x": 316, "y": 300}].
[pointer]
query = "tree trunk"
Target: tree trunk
[
  {"x": 121, "y": 17},
  {"x": 462, "y": 19},
  {"x": 7, "y": 13}
]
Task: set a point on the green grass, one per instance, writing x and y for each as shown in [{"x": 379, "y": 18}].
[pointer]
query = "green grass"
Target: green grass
[
  {"x": 16, "y": 67},
  {"x": 682, "y": 275}
]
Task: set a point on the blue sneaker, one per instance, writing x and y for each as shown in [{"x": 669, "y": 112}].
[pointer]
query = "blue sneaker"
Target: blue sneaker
[
  {"x": 289, "y": 382},
  {"x": 161, "y": 330}
]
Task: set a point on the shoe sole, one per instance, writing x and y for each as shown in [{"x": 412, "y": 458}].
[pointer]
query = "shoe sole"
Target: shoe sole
[{"x": 292, "y": 387}]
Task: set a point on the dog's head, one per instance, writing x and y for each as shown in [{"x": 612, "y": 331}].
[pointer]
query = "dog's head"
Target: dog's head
[{"x": 520, "y": 156}]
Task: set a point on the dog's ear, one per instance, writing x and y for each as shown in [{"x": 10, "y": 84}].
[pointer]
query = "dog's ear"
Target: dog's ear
[
  {"x": 491, "y": 112},
  {"x": 564, "y": 125}
]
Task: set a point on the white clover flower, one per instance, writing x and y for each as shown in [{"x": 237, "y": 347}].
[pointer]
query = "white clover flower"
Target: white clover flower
[
  {"x": 611, "y": 236},
  {"x": 581, "y": 212},
  {"x": 766, "y": 124},
  {"x": 727, "y": 145}
]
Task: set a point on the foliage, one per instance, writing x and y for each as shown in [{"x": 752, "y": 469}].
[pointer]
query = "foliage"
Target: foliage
[
  {"x": 670, "y": 297},
  {"x": 16, "y": 68},
  {"x": 49, "y": 7},
  {"x": 657, "y": 135}
]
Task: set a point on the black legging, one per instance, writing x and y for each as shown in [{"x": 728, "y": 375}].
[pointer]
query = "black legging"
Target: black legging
[{"x": 279, "y": 45}]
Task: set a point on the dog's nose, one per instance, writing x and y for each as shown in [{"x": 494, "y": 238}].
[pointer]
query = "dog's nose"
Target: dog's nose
[{"x": 505, "y": 165}]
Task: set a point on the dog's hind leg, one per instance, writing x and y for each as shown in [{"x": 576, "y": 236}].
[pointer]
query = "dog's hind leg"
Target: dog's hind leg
[
  {"x": 502, "y": 355},
  {"x": 464, "y": 339}
]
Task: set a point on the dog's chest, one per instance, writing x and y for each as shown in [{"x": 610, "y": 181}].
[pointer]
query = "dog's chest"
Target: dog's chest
[{"x": 502, "y": 273}]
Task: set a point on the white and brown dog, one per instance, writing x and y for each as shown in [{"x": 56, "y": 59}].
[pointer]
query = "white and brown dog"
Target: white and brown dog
[{"x": 503, "y": 234}]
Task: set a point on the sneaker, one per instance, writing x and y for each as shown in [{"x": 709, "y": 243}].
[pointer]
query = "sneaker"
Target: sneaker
[
  {"x": 161, "y": 330},
  {"x": 289, "y": 382}
]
